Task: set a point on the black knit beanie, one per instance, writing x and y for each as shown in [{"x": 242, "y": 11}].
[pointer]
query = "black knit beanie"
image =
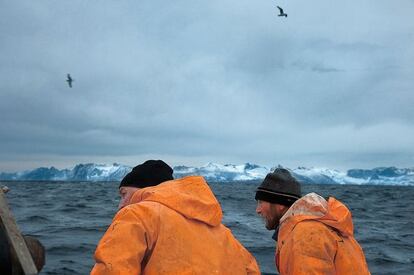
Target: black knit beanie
[
  {"x": 279, "y": 187},
  {"x": 150, "y": 173}
]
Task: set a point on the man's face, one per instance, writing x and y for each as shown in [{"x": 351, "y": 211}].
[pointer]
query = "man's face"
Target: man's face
[
  {"x": 126, "y": 193},
  {"x": 270, "y": 213}
]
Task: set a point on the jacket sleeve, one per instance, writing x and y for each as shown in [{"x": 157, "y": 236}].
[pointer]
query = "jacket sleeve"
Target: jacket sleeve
[
  {"x": 310, "y": 249},
  {"x": 127, "y": 242}
]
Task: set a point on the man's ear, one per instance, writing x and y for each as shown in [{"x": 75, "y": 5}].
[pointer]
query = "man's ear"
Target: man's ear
[{"x": 282, "y": 208}]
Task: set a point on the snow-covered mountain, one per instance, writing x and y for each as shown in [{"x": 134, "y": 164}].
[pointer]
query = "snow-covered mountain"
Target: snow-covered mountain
[
  {"x": 376, "y": 176},
  {"x": 227, "y": 172},
  {"x": 81, "y": 172}
]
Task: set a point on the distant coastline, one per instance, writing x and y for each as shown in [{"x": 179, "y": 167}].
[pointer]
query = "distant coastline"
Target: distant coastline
[{"x": 218, "y": 172}]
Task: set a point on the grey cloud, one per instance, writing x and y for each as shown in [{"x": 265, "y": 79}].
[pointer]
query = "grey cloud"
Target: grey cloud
[{"x": 207, "y": 81}]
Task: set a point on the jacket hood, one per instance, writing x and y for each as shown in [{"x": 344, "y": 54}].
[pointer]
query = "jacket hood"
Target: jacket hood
[
  {"x": 313, "y": 207},
  {"x": 189, "y": 196}
]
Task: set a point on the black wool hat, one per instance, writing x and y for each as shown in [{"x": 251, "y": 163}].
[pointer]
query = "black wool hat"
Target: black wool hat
[
  {"x": 279, "y": 187},
  {"x": 150, "y": 173}
]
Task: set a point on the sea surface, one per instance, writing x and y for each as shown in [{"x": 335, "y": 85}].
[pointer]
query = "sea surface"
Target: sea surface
[{"x": 69, "y": 218}]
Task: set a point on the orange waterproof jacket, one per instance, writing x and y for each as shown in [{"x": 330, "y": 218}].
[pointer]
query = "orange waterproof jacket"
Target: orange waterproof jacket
[
  {"x": 172, "y": 228},
  {"x": 316, "y": 237}
]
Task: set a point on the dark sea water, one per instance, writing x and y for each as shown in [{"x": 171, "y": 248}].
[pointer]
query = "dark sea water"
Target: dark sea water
[{"x": 69, "y": 218}]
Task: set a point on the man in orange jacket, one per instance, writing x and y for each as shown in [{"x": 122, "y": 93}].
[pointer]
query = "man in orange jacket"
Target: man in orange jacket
[
  {"x": 167, "y": 226},
  {"x": 314, "y": 235}
]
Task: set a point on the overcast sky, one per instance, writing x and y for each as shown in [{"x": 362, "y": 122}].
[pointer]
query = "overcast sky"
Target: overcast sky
[{"x": 331, "y": 85}]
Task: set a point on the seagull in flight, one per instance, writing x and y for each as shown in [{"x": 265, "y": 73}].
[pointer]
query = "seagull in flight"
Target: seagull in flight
[
  {"x": 281, "y": 12},
  {"x": 69, "y": 80}
]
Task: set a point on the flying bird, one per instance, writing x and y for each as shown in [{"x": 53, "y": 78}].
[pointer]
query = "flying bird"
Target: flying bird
[
  {"x": 281, "y": 12},
  {"x": 69, "y": 80}
]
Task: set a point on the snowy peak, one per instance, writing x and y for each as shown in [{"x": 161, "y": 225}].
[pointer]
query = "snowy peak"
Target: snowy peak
[
  {"x": 376, "y": 176},
  {"x": 227, "y": 172},
  {"x": 81, "y": 172},
  {"x": 99, "y": 172}
]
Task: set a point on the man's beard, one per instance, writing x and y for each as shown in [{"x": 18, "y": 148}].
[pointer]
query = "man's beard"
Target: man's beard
[{"x": 272, "y": 223}]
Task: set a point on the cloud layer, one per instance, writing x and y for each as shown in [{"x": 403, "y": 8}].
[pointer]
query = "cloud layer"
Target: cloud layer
[{"x": 197, "y": 81}]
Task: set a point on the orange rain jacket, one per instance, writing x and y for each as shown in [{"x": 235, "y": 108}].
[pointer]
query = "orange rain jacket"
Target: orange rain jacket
[
  {"x": 316, "y": 237},
  {"x": 172, "y": 228}
]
